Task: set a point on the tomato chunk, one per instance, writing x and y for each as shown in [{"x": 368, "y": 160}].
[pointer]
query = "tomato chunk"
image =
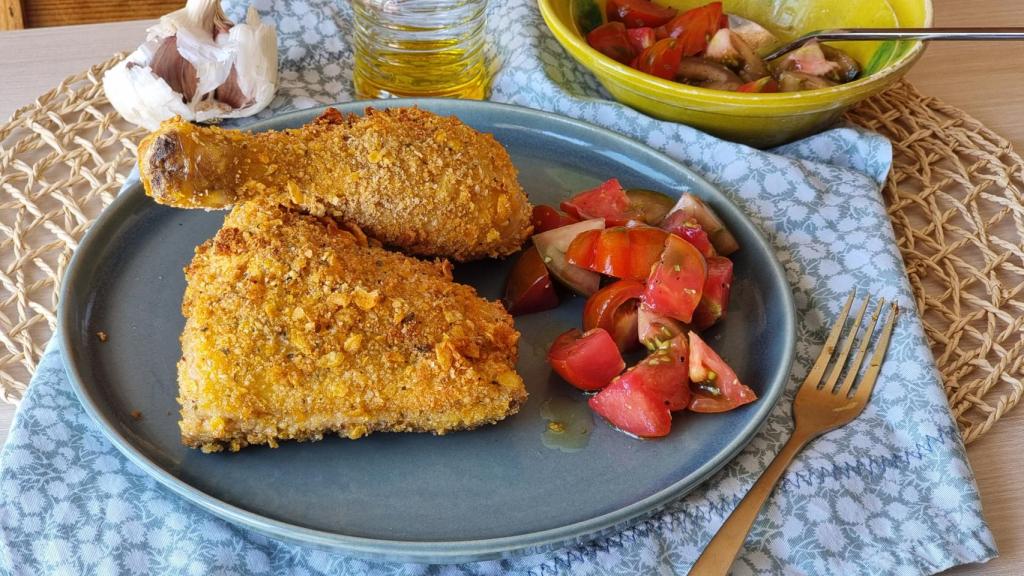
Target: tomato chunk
[
  {"x": 677, "y": 280},
  {"x": 588, "y": 361},
  {"x": 529, "y": 288},
  {"x": 721, "y": 238},
  {"x": 687, "y": 228},
  {"x": 611, "y": 40},
  {"x": 661, "y": 59},
  {"x": 581, "y": 249},
  {"x": 621, "y": 252},
  {"x": 765, "y": 85},
  {"x": 608, "y": 201},
  {"x": 638, "y": 13},
  {"x": 632, "y": 410},
  {"x": 546, "y": 218},
  {"x": 641, "y": 38},
  {"x": 656, "y": 331},
  {"x": 645, "y": 247},
  {"x": 715, "y": 299},
  {"x": 664, "y": 375},
  {"x": 552, "y": 246},
  {"x": 695, "y": 27},
  {"x": 613, "y": 309},
  {"x": 624, "y": 328},
  {"x": 648, "y": 206},
  {"x": 718, "y": 388},
  {"x": 611, "y": 252}
]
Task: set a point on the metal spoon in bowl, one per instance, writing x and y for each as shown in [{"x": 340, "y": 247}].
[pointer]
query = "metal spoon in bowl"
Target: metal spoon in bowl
[
  {"x": 1011, "y": 33},
  {"x": 764, "y": 42}
]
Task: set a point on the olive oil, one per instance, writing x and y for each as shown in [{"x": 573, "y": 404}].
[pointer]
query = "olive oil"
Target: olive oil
[
  {"x": 419, "y": 48},
  {"x": 569, "y": 423}
]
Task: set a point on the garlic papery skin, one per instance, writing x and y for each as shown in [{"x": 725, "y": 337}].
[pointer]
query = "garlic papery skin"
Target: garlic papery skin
[{"x": 197, "y": 64}]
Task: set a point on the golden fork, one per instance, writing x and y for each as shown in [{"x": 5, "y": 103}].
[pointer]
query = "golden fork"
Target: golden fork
[{"x": 817, "y": 409}]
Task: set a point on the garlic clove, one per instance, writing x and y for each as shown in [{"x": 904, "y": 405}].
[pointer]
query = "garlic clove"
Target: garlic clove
[
  {"x": 256, "y": 63},
  {"x": 142, "y": 97},
  {"x": 196, "y": 64},
  {"x": 179, "y": 73},
  {"x": 231, "y": 93}
]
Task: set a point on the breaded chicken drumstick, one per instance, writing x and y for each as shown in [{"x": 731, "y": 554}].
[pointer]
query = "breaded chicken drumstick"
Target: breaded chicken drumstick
[
  {"x": 427, "y": 184},
  {"x": 295, "y": 328}
]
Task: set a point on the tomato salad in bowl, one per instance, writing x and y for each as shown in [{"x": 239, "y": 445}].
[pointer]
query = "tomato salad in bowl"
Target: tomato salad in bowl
[
  {"x": 707, "y": 47},
  {"x": 655, "y": 272}
]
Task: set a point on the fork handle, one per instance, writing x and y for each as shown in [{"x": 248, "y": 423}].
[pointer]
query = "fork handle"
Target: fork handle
[{"x": 718, "y": 557}]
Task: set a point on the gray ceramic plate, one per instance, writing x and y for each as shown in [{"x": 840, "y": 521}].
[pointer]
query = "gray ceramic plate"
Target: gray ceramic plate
[{"x": 465, "y": 496}]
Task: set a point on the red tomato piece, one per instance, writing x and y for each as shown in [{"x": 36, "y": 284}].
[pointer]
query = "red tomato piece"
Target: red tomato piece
[
  {"x": 611, "y": 253},
  {"x": 715, "y": 299},
  {"x": 581, "y": 250},
  {"x": 764, "y": 85},
  {"x": 529, "y": 288},
  {"x": 687, "y": 228},
  {"x": 677, "y": 280},
  {"x": 641, "y": 38},
  {"x": 611, "y": 40},
  {"x": 546, "y": 218},
  {"x": 721, "y": 238},
  {"x": 638, "y": 13},
  {"x": 552, "y": 246},
  {"x": 632, "y": 410},
  {"x": 624, "y": 330},
  {"x": 610, "y": 308},
  {"x": 719, "y": 388},
  {"x": 661, "y": 59},
  {"x": 645, "y": 247},
  {"x": 608, "y": 201},
  {"x": 695, "y": 27},
  {"x": 655, "y": 330},
  {"x": 663, "y": 375},
  {"x": 620, "y": 252},
  {"x": 588, "y": 361}
]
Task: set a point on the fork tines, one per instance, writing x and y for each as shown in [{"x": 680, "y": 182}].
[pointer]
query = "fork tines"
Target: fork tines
[{"x": 846, "y": 388}]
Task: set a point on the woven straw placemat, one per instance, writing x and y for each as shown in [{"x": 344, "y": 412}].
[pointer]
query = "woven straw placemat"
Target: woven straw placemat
[{"x": 954, "y": 195}]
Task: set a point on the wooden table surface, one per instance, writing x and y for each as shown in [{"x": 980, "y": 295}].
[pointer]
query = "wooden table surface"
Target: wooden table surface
[{"x": 985, "y": 79}]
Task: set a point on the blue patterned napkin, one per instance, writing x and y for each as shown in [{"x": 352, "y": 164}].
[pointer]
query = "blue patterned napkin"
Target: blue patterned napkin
[{"x": 891, "y": 493}]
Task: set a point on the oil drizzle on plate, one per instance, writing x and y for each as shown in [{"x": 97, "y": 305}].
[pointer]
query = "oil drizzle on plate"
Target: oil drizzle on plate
[{"x": 569, "y": 422}]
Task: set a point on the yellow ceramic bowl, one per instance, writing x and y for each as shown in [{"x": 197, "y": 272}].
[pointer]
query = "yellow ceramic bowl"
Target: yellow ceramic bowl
[{"x": 758, "y": 119}]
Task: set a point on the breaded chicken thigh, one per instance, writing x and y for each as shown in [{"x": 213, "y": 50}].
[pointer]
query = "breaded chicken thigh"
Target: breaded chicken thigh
[
  {"x": 427, "y": 184},
  {"x": 295, "y": 328}
]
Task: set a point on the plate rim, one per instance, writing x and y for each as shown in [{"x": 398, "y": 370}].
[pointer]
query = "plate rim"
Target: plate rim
[{"x": 440, "y": 552}]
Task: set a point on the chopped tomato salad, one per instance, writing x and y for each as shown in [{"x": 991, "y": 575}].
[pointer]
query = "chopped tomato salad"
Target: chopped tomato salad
[
  {"x": 655, "y": 271},
  {"x": 697, "y": 47}
]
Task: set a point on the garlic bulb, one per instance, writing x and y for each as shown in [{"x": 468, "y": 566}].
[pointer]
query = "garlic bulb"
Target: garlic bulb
[{"x": 196, "y": 64}]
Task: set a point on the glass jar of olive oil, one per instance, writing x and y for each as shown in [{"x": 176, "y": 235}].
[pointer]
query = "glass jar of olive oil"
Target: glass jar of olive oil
[{"x": 419, "y": 48}]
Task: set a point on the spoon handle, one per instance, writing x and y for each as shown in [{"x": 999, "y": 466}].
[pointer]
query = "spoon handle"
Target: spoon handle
[{"x": 1008, "y": 33}]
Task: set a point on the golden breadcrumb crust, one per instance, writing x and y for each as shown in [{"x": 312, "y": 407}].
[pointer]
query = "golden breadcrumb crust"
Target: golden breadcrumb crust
[
  {"x": 296, "y": 328},
  {"x": 427, "y": 184}
]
